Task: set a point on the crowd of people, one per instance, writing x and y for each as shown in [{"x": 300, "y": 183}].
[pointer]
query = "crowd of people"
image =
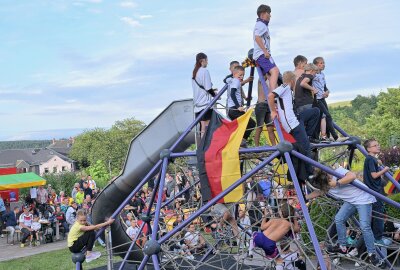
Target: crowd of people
[{"x": 46, "y": 213}]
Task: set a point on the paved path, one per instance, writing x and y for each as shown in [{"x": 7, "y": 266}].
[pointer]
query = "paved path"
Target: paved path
[{"x": 8, "y": 252}]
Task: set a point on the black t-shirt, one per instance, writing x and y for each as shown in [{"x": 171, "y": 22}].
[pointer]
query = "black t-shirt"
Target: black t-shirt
[
  {"x": 303, "y": 96},
  {"x": 370, "y": 166},
  {"x": 88, "y": 191}
]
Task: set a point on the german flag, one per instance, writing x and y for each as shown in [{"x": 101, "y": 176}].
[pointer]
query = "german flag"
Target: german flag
[{"x": 218, "y": 157}]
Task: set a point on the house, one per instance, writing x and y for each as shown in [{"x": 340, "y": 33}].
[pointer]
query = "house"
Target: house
[
  {"x": 62, "y": 146},
  {"x": 39, "y": 161}
]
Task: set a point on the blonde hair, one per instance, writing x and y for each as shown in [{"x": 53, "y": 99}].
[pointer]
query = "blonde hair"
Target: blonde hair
[
  {"x": 310, "y": 66},
  {"x": 81, "y": 213},
  {"x": 288, "y": 77}
]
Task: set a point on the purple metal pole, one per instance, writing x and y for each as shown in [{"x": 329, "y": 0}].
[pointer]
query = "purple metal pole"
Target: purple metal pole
[
  {"x": 306, "y": 214},
  {"x": 217, "y": 198},
  {"x": 364, "y": 152},
  {"x": 332, "y": 144},
  {"x": 334, "y": 173},
  {"x": 156, "y": 262},
  {"x": 144, "y": 262},
  {"x": 135, "y": 190},
  {"x": 197, "y": 120},
  {"x": 159, "y": 198}
]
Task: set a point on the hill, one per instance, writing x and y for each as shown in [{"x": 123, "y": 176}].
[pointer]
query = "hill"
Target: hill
[
  {"x": 4, "y": 145},
  {"x": 340, "y": 104}
]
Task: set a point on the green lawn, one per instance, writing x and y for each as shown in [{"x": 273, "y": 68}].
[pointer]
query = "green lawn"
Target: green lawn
[
  {"x": 340, "y": 104},
  {"x": 60, "y": 260}
]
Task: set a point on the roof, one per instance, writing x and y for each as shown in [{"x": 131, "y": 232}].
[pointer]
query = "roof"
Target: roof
[
  {"x": 20, "y": 180},
  {"x": 30, "y": 156},
  {"x": 62, "y": 146}
]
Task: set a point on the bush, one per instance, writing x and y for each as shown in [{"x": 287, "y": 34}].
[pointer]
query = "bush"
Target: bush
[
  {"x": 391, "y": 210},
  {"x": 391, "y": 157}
]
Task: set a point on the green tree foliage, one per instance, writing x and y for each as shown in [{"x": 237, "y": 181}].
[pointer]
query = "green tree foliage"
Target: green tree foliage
[
  {"x": 24, "y": 144},
  {"x": 109, "y": 146},
  {"x": 99, "y": 173}
]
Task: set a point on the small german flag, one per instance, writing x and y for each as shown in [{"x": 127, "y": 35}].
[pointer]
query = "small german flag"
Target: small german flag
[{"x": 218, "y": 157}]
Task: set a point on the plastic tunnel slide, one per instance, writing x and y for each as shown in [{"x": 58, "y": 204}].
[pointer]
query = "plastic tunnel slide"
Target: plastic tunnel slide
[{"x": 143, "y": 154}]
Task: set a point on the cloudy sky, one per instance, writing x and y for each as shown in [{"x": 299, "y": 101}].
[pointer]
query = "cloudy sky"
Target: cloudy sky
[{"x": 67, "y": 65}]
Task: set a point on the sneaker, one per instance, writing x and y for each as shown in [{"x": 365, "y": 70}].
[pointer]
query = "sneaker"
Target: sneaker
[
  {"x": 250, "y": 256},
  {"x": 313, "y": 140},
  {"x": 22, "y": 245},
  {"x": 342, "y": 139},
  {"x": 93, "y": 256},
  {"x": 38, "y": 243},
  {"x": 357, "y": 264},
  {"x": 190, "y": 257},
  {"x": 353, "y": 253},
  {"x": 375, "y": 261},
  {"x": 336, "y": 261},
  {"x": 324, "y": 140},
  {"x": 337, "y": 249}
]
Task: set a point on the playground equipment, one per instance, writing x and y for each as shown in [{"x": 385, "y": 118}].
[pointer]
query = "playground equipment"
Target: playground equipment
[{"x": 163, "y": 141}]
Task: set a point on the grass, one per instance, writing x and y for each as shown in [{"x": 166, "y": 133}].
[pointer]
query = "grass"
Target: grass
[
  {"x": 340, "y": 104},
  {"x": 59, "y": 259}
]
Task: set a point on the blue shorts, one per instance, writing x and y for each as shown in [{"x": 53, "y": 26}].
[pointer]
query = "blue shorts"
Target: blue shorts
[
  {"x": 265, "y": 64},
  {"x": 269, "y": 246}
]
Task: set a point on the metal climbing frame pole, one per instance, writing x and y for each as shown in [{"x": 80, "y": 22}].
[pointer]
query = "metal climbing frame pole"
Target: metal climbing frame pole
[
  {"x": 364, "y": 152},
  {"x": 296, "y": 184},
  {"x": 110, "y": 264}
]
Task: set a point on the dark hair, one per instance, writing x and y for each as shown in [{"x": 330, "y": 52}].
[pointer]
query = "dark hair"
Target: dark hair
[
  {"x": 298, "y": 59},
  {"x": 287, "y": 210},
  {"x": 317, "y": 60},
  {"x": 262, "y": 9},
  {"x": 321, "y": 181},
  {"x": 368, "y": 142},
  {"x": 199, "y": 57},
  {"x": 234, "y": 63},
  {"x": 239, "y": 68}
]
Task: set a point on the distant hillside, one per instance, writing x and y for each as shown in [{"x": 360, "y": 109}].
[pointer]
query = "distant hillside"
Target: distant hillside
[
  {"x": 24, "y": 144},
  {"x": 340, "y": 104}
]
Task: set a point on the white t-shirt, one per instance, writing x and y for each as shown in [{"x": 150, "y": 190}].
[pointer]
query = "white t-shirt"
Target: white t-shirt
[
  {"x": 132, "y": 231},
  {"x": 262, "y": 30},
  {"x": 285, "y": 107},
  {"x": 289, "y": 259},
  {"x": 33, "y": 192},
  {"x": 245, "y": 222},
  {"x": 26, "y": 219},
  {"x": 350, "y": 193},
  {"x": 234, "y": 83},
  {"x": 193, "y": 238},
  {"x": 35, "y": 226},
  {"x": 201, "y": 98}
]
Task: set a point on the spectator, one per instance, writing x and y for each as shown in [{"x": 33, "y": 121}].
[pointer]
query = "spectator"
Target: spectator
[
  {"x": 245, "y": 224},
  {"x": 49, "y": 190},
  {"x": 82, "y": 235},
  {"x": 35, "y": 230},
  {"x": 42, "y": 196},
  {"x": 129, "y": 218},
  {"x": 373, "y": 179},
  {"x": 2, "y": 212},
  {"x": 91, "y": 182},
  {"x": 25, "y": 223},
  {"x": 33, "y": 193},
  {"x": 11, "y": 222},
  {"x": 80, "y": 196},
  {"x": 75, "y": 191},
  {"x": 87, "y": 190},
  {"x": 70, "y": 216},
  {"x": 60, "y": 218},
  {"x": 61, "y": 197},
  {"x": 194, "y": 240},
  {"x": 64, "y": 205},
  {"x": 88, "y": 201},
  {"x": 83, "y": 179}
]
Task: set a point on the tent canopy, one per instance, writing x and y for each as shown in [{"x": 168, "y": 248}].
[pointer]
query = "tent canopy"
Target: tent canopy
[{"x": 20, "y": 180}]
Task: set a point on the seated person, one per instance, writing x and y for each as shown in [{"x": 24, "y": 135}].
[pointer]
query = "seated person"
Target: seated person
[
  {"x": 36, "y": 226},
  {"x": 11, "y": 222},
  {"x": 82, "y": 235},
  {"x": 194, "y": 240},
  {"x": 25, "y": 222},
  {"x": 60, "y": 218},
  {"x": 133, "y": 232},
  {"x": 355, "y": 200}
]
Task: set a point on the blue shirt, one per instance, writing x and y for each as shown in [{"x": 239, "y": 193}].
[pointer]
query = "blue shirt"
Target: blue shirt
[
  {"x": 370, "y": 166},
  {"x": 319, "y": 83}
]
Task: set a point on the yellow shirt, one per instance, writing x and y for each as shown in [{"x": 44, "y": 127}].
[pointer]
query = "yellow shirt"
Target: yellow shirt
[
  {"x": 79, "y": 197},
  {"x": 74, "y": 233}
]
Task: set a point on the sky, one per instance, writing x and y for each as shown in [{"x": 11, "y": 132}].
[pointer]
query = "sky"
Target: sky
[{"x": 70, "y": 65}]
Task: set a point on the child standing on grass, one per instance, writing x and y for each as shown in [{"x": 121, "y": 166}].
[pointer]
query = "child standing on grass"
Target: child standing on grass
[{"x": 82, "y": 235}]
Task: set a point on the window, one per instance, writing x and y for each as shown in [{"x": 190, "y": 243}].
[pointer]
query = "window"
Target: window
[
  {"x": 54, "y": 169},
  {"x": 46, "y": 170},
  {"x": 24, "y": 170},
  {"x": 63, "y": 168}
]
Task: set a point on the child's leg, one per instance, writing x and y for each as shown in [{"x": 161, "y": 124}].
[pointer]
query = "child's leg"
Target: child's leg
[
  {"x": 323, "y": 127},
  {"x": 85, "y": 240},
  {"x": 274, "y": 72}
]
